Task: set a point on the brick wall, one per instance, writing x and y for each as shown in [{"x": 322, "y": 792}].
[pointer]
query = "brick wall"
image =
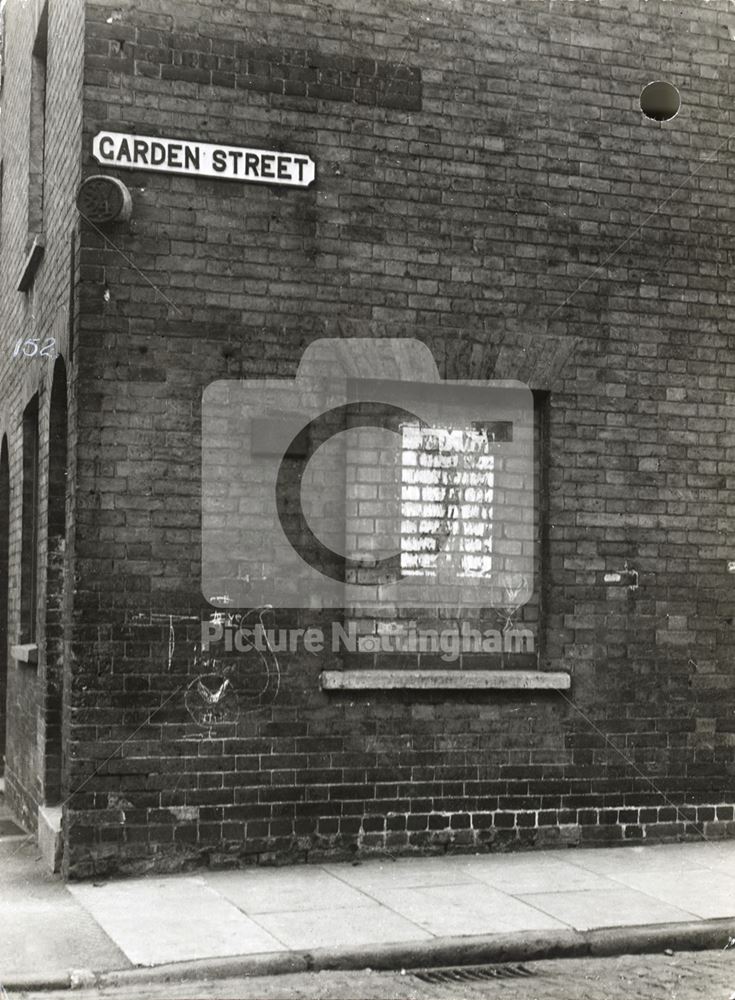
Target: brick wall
[
  {"x": 42, "y": 313},
  {"x": 483, "y": 172}
]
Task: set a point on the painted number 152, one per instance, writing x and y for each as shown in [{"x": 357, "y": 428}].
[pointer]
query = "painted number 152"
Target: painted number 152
[{"x": 30, "y": 347}]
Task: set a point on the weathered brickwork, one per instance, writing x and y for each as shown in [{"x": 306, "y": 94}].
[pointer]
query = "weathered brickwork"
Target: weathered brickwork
[
  {"x": 41, "y": 313},
  {"x": 487, "y": 184}
]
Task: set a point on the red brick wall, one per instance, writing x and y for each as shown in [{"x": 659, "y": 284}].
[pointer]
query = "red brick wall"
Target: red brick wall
[
  {"x": 43, "y": 313},
  {"x": 476, "y": 165}
]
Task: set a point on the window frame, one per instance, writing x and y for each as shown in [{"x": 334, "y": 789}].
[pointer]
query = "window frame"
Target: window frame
[
  {"x": 30, "y": 524},
  {"x": 520, "y": 660}
]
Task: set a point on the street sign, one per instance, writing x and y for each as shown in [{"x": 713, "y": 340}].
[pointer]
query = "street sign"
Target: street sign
[{"x": 202, "y": 159}]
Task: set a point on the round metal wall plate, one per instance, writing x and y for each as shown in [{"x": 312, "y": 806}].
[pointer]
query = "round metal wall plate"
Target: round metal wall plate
[{"x": 102, "y": 199}]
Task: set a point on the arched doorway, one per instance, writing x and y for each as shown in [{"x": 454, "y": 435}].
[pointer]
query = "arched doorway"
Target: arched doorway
[
  {"x": 55, "y": 583},
  {"x": 4, "y": 586}
]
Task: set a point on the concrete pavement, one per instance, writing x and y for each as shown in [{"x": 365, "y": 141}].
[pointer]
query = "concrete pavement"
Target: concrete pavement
[
  {"x": 447, "y": 909},
  {"x": 43, "y": 930}
]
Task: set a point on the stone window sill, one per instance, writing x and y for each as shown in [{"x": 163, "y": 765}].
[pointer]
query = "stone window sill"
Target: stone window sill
[
  {"x": 444, "y": 680},
  {"x": 25, "y": 653},
  {"x": 32, "y": 262}
]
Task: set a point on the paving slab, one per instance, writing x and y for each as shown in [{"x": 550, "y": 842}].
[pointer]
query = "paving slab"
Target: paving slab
[
  {"x": 701, "y": 891},
  {"x": 720, "y": 856},
  {"x": 524, "y": 875},
  {"x": 654, "y": 857},
  {"x": 42, "y": 927},
  {"x": 403, "y": 872},
  {"x": 352, "y": 927},
  {"x": 463, "y": 910},
  {"x": 283, "y": 889},
  {"x": 157, "y": 920},
  {"x": 611, "y": 907}
]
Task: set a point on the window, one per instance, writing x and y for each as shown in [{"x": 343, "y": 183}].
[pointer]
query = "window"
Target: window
[
  {"x": 55, "y": 590},
  {"x": 37, "y": 136},
  {"x": 72, "y": 287},
  {"x": 29, "y": 527},
  {"x": 446, "y": 498},
  {"x": 470, "y": 518}
]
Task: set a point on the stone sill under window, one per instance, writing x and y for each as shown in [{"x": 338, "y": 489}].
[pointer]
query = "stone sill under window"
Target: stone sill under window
[
  {"x": 32, "y": 262},
  {"x": 25, "y": 653},
  {"x": 444, "y": 680}
]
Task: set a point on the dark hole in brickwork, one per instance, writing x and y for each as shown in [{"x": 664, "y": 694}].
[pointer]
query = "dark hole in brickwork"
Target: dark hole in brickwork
[{"x": 660, "y": 101}]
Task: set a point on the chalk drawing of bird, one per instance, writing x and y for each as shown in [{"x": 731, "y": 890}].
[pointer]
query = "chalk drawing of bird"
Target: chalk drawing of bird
[
  {"x": 225, "y": 688},
  {"x": 212, "y": 697},
  {"x": 255, "y": 673}
]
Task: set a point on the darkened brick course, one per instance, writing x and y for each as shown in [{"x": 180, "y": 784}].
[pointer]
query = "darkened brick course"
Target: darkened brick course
[{"x": 264, "y": 69}]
